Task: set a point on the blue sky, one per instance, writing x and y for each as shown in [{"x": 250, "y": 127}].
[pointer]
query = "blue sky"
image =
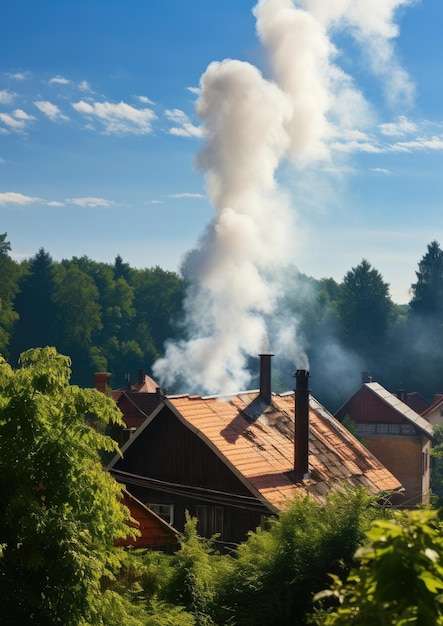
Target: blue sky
[{"x": 99, "y": 133}]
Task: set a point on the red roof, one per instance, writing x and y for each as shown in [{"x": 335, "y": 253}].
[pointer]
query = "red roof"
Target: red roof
[
  {"x": 155, "y": 532},
  {"x": 260, "y": 451}
]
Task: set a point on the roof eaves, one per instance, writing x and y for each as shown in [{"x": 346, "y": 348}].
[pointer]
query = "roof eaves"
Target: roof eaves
[{"x": 401, "y": 408}]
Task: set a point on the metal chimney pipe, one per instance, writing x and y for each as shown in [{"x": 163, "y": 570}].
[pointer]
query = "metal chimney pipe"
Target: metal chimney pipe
[
  {"x": 265, "y": 377},
  {"x": 301, "y": 447}
]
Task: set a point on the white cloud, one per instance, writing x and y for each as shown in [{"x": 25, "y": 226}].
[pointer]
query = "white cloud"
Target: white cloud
[
  {"x": 50, "y": 110},
  {"x": 14, "y": 198},
  {"x": 19, "y": 75},
  {"x": 401, "y": 127},
  {"x": 380, "y": 170},
  {"x": 59, "y": 80},
  {"x": 194, "y": 90},
  {"x": 420, "y": 143},
  {"x": 120, "y": 119},
  {"x": 90, "y": 202},
  {"x": 17, "y": 120},
  {"x": 185, "y": 128},
  {"x": 84, "y": 86},
  {"x": 144, "y": 100},
  {"x": 186, "y": 195},
  {"x": 55, "y": 203},
  {"x": 6, "y": 97}
]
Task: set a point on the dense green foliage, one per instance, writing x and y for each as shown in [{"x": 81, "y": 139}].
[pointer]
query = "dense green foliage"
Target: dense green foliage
[
  {"x": 117, "y": 318},
  {"x": 398, "y": 578},
  {"x": 59, "y": 511},
  {"x": 60, "y": 514},
  {"x": 270, "y": 579}
]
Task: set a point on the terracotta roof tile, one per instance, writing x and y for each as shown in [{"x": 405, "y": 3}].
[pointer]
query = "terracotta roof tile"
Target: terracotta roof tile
[{"x": 262, "y": 451}]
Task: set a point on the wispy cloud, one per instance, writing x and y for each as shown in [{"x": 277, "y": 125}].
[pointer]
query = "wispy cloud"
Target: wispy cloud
[
  {"x": 420, "y": 143},
  {"x": 50, "y": 110},
  {"x": 120, "y": 119},
  {"x": 186, "y": 195},
  {"x": 6, "y": 97},
  {"x": 84, "y": 86},
  {"x": 59, "y": 80},
  {"x": 401, "y": 127},
  {"x": 185, "y": 128},
  {"x": 12, "y": 198},
  {"x": 91, "y": 202},
  {"x": 16, "y": 121},
  {"x": 19, "y": 75},
  {"x": 55, "y": 203},
  {"x": 144, "y": 100},
  {"x": 380, "y": 170}
]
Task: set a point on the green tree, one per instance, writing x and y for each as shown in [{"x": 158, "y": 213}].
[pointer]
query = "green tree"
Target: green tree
[
  {"x": 158, "y": 300},
  {"x": 278, "y": 570},
  {"x": 399, "y": 577},
  {"x": 428, "y": 290},
  {"x": 59, "y": 511},
  {"x": 8, "y": 290},
  {"x": 364, "y": 308},
  {"x": 35, "y": 306},
  {"x": 79, "y": 320}
]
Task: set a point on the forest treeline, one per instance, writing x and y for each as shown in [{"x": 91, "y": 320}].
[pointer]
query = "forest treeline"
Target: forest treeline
[{"x": 116, "y": 318}]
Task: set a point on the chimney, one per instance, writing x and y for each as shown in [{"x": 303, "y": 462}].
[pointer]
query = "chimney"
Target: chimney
[
  {"x": 366, "y": 377},
  {"x": 402, "y": 395},
  {"x": 141, "y": 376},
  {"x": 301, "y": 448},
  {"x": 265, "y": 377},
  {"x": 101, "y": 381}
]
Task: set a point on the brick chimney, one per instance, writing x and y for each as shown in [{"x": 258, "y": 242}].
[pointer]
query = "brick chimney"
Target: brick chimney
[
  {"x": 301, "y": 448},
  {"x": 101, "y": 381},
  {"x": 265, "y": 377}
]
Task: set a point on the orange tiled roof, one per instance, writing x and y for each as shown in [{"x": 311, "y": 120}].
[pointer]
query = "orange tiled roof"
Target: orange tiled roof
[{"x": 261, "y": 451}]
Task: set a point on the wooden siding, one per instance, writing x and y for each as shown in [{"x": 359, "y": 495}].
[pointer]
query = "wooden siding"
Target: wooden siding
[
  {"x": 175, "y": 455},
  {"x": 366, "y": 407},
  {"x": 154, "y": 533}
]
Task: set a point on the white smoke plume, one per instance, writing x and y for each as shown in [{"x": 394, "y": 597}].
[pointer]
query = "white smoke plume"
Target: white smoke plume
[{"x": 251, "y": 125}]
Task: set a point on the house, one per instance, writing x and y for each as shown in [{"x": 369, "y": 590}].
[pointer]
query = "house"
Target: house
[
  {"x": 136, "y": 401},
  {"x": 398, "y": 436},
  {"x": 155, "y": 532},
  {"x": 434, "y": 413},
  {"x": 233, "y": 462}
]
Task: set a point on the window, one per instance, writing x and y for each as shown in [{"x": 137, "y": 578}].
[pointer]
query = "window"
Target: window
[
  {"x": 210, "y": 521},
  {"x": 165, "y": 511},
  {"x": 369, "y": 430}
]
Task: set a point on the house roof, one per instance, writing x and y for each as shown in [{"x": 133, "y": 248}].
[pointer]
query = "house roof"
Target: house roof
[
  {"x": 155, "y": 532},
  {"x": 256, "y": 441},
  {"x": 394, "y": 403},
  {"x": 417, "y": 402},
  {"x": 438, "y": 402}
]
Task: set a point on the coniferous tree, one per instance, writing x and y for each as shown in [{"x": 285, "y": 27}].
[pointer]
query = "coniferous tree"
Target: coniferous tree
[
  {"x": 35, "y": 307},
  {"x": 428, "y": 290},
  {"x": 364, "y": 308}
]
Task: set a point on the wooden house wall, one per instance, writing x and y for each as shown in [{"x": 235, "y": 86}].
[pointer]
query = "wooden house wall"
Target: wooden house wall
[
  {"x": 167, "y": 450},
  {"x": 153, "y": 534}
]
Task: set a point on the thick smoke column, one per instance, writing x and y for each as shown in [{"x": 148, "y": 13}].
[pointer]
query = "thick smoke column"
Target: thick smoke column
[
  {"x": 250, "y": 125},
  {"x": 244, "y": 116}
]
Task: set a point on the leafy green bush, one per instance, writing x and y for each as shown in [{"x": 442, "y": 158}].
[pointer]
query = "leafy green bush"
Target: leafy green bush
[{"x": 399, "y": 577}]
